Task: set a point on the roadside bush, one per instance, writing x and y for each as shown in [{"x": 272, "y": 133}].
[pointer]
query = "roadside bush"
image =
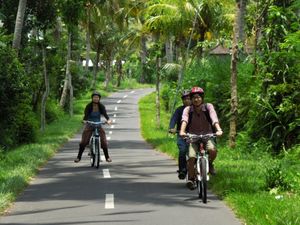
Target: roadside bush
[
  {"x": 80, "y": 79},
  {"x": 53, "y": 111},
  {"x": 27, "y": 126},
  {"x": 17, "y": 121},
  {"x": 275, "y": 177}
]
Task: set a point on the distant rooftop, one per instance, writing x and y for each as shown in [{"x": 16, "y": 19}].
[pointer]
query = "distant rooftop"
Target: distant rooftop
[{"x": 219, "y": 50}]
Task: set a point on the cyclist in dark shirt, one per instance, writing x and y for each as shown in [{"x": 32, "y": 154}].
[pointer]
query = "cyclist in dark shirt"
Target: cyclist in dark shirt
[
  {"x": 93, "y": 112},
  {"x": 182, "y": 145}
]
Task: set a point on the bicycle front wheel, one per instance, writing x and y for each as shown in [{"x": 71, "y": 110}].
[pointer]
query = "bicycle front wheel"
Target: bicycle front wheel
[
  {"x": 198, "y": 178},
  {"x": 203, "y": 169},
  {"x": 92, "y": 153},
  {"x": 97, "y": 151}
]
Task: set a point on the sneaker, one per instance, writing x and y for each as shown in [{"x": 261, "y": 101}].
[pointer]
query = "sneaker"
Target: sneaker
[
  {"x": 181, "y": 175},
  {"x": 77, "y": 160},
  {"x": 190, "y": 185},
  {"x": 108, "y": 160}
]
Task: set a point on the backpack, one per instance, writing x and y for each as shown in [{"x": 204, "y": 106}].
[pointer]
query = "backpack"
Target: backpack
[{"x": 207, "y": 117}]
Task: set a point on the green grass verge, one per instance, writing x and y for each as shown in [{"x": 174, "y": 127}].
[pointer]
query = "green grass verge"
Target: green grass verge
[
  {"x": 241, "y": 178},
  {"x": 19, "y": 165}
]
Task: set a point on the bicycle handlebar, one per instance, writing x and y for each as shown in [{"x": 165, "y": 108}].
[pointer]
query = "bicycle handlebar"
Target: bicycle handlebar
[
  {"x": 92, "y": 122},
  {"x": 199, "y": 136},
  {"x": 96, "y": 124}
]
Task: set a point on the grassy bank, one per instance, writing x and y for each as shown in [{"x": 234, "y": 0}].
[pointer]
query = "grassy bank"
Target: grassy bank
[
  {"x": 242, "y": 178},
  {"x": 20, "y": 165}
]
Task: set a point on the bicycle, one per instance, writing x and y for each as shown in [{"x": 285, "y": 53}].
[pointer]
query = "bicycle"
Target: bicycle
[
  {"x": 202, "y": 164},
  {"x": 95, "y": 143}
]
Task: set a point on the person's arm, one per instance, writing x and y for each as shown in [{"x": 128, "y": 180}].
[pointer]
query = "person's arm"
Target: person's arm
[
  {"x": 183, "y": 128},
  {"x": 184, "y": 121},
  {"x": 86, "y": 112},
  {"x": 214, "y": 119},
  {"x": 104, "y": 113},
  {"x": 219, "y": 131},
  {"x": 173, "y": 121}
]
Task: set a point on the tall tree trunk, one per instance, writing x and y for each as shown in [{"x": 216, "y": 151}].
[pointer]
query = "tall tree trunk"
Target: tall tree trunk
[
  {"x": 57, "y": 30},
  {"x": 88, "y": 39},
  {"x": 19, "y": 25},
  {"x": 70, "y": 85},
  {"x": 241, "y": 20},
  {"x": 88, "y": 50},
  {"x": 257, "y": 32},
  {"x": 234, "y": 62},
  {"x": 120, "y": 72},
  {"x": 47, "y": 90},
  {"x": 96, "y": 67},
  {"x": 169, "y": 50},
  {"x": 158, "y": 66},
  {"x": 107, "y": 73},
  {"x": 64, "y": 94},
  {"x": 143, "y": 56}
]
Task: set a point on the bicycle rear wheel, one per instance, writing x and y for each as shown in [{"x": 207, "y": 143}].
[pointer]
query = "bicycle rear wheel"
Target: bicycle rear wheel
[
  {"x": 204, "y": 179},
  {"x": 97, "y": 151}
]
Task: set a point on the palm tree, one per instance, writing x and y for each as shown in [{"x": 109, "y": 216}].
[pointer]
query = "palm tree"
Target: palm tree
[
  {"x": 71, "y": 13},
  {"x": 172, "y": 20},
  {"x": 163, "y": 22},
  {"x": 19, "y": 25},
  {"x": 87, "y": 20},
  {"x": 102, "y": 40}
]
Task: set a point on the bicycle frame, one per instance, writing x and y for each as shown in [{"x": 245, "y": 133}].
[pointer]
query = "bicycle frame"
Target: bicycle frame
[
  {"x": 202, "y": 163},
  {"x": 202, "y": 153},
  {"x": 95, "y": 142}
]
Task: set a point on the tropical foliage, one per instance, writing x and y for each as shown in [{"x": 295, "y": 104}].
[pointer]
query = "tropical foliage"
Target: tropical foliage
[{"x": 159, "y": 41}]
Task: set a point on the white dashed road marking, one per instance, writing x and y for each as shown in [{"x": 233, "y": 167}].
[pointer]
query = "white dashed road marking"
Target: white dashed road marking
[
  {"x": 110, "y": 132},
  {"x": 132, "y": 92},
  {"x": 114, "y": 121},
  {"x": 125, "y": 96},
  {"x": 116, "y": 108},
  {"x": 106, "y": 173},
  {"x": 108, "y": 138},
  {"x": 119, "y": 101},
  {"x": 109, "y": 201},
  {"x": 112, "y": 126},
  {"x": 115, "y": 115}
]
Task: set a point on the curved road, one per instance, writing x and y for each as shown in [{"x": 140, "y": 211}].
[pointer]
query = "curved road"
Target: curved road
[{"x": 140, "y": 186}]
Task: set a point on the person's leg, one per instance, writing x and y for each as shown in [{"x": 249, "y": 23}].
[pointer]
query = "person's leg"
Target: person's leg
[
  {"x": 104, "y": 144},
  {"x": 86, "y": 135},
  {"x": 183, "y": 148},
  {"x": 191, "y": 166},
  {"x": 212, "y": 150}
]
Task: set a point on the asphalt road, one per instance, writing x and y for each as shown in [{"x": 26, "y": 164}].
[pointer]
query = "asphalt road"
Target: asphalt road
[{"x": 140, "y": 186}]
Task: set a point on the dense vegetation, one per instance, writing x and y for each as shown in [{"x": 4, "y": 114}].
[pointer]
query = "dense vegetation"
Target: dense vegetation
[{"x": 164, "y": 41}]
